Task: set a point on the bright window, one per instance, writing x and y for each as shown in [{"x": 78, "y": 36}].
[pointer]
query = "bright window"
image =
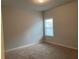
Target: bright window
[{"x": 49, "y": 27}]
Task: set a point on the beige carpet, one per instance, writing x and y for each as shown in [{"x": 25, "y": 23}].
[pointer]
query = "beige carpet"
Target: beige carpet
[{"x": 43, "y": 51}]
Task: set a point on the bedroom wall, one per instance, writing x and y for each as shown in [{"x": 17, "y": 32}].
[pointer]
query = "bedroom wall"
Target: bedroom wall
[
  {"x": 65, "y": 24},
  {"x": 21, "y": 27}
]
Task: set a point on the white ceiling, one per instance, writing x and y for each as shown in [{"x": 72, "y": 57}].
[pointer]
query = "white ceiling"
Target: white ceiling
[{"x": 31, "y": 5}]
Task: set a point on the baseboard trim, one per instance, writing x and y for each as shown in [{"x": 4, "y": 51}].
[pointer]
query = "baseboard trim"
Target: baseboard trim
[
  {"x": 59, "y": 45},
  {"x": 25, "y": 46}
]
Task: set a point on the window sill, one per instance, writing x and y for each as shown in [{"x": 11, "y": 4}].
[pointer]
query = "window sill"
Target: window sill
[{"x": 48, "y": 37}]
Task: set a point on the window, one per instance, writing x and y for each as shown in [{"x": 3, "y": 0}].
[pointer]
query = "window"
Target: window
[{"x": 49, "y": 27}]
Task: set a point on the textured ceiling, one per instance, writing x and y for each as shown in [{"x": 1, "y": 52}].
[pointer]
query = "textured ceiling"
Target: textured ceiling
[{"x": 29, "y": 4}]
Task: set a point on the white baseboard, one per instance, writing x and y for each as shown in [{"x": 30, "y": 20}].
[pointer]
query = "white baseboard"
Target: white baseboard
[
  {"x": 60, "y": 44},
  {"x": 22, "y": 47}
]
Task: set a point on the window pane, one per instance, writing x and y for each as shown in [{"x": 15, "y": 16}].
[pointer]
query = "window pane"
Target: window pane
[
  {"x": 48, "y": 23},
  {"x": 49, "y": 27}
]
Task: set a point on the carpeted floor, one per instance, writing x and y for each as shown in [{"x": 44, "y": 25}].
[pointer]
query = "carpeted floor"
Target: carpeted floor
[{"x": 42, "y": 51}]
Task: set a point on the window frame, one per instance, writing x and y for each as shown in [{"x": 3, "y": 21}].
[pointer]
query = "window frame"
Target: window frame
[{"x": 52, "y": 29}]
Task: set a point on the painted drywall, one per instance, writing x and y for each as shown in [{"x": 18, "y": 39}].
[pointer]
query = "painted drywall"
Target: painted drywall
[
  {"x": 21, "y": 27},
  {"x": 2, "y": 54},
  {"x": 65, "y": 24}
]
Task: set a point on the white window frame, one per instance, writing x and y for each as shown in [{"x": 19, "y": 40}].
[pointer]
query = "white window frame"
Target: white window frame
[{"x": 45, "y": 28}]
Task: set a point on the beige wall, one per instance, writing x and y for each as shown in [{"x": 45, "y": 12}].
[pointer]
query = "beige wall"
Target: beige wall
[
  {"x": 2, "y": 42},
  {"x": 65, "y": 24},
  {"x": 21, "y": 27}
]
